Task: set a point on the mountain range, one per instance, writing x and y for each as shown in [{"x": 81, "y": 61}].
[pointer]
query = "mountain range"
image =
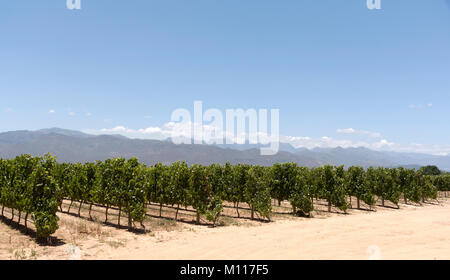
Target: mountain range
[{"x": 76, "y": 146}]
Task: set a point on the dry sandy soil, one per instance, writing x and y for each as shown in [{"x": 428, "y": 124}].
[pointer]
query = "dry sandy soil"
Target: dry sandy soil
[{"x": 413, "y": 232}]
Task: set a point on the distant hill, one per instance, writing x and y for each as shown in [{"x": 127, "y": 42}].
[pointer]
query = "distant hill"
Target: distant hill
[{"x": 75, "y": 146}]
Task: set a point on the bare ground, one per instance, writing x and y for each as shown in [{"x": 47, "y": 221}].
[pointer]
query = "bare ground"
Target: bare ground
[{"x": 413, "y": 232}]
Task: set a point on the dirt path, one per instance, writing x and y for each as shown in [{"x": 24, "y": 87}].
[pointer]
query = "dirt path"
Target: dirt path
[
  {"x": 410, "y": 233},
  {"x": 413, "y": 232}
]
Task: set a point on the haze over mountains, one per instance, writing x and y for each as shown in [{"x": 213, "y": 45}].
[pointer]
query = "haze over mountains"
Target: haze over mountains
[{"x": 75, "y": 146}]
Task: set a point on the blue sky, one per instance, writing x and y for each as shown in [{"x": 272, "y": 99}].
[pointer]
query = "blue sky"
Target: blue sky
[{"x": 359, "y": 77}]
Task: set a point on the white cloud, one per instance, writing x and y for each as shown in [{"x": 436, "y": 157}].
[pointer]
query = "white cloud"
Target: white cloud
[
  {"x": 168, "y": 130},
  {"x": 293, "y": 138},
  {"x": 71, "y": 113},
  {"x": 323, "y": 142},
  {"x": 122, "y": 129},
  {"x": 88, "y": 114},
  {"x": 378, "y": 145},
  {"x": 420, "y": 106},
  {"x": 383, "y": 143},
  {"x": 184, "y": 131},
  {"x": 51, "y": 111},
  {"x": 359, "y": 132},
  {"x": 346, "y": 130}
]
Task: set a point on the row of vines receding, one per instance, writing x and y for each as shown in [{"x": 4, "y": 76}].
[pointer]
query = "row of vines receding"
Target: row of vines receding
[{"x": 37, "y": 187}]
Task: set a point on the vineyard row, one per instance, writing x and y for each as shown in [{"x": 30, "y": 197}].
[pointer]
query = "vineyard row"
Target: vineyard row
[{"x": 37, "y": 186}]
